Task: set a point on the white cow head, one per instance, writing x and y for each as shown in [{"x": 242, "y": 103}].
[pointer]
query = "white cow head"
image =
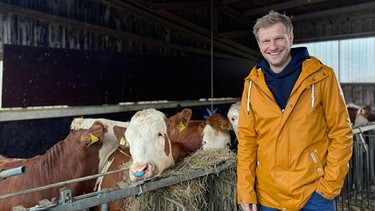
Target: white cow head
[
  {"x": 149, "y": 144},
  {"x": 216, "y": 133},
  {"x": 233, "y": 116}
]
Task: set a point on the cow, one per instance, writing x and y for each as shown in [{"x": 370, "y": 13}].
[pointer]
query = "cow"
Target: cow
[
  {"x": 153, "y": 150},
  {"x": 75, "y": 156},
  {"x": 360, "y": 115},
  {"x": 233, "y": 116},
  {"x": 112, "y": 142},
  {"x": 175, "y": 124},
  {"x": 216, "y": 133},
  {"x": 178, "y": 136}
]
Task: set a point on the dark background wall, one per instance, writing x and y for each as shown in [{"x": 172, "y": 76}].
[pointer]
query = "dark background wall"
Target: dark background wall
[{"x": 36, "y": 76}]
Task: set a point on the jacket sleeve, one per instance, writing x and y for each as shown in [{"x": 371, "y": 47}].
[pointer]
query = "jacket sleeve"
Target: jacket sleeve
[
  {"x": 246, "y": 153},
  {"x": 340, "y": 136}
]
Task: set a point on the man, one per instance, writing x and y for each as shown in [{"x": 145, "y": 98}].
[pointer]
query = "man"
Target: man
[{"x": 294, "y": 133}]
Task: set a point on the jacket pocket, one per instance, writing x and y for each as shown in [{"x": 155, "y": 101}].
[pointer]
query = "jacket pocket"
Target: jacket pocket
[{"x": 317, "y": 165}]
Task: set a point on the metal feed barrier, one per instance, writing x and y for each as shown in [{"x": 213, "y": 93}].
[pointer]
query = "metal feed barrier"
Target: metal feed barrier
[
  {"x": 357, "y": 187},
  {"x": 102, "y": 198}
]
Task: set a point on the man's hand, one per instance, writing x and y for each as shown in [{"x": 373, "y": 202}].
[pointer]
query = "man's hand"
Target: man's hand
[{"x": 249, "y": 207}]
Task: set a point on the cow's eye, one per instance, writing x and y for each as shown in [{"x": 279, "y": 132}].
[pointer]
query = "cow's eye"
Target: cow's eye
[{"x": 161, "y": 134}]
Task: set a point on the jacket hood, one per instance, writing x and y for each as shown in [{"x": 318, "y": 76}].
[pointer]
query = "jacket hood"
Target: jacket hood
[
  {"x": 257, "y": 75},
  {"x": 281, "y": 84}
]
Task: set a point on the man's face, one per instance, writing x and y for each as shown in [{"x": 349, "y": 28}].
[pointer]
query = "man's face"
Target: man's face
[{"x": 275, "y": 43}]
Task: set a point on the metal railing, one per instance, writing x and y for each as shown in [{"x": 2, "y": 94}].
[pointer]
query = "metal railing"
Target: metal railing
[
  {"x": 103, "y": 197},
  {"x": 357, "y": 190}
]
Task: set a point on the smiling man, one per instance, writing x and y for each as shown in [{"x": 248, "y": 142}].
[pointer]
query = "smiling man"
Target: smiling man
[{"x": 294, "y": 133}]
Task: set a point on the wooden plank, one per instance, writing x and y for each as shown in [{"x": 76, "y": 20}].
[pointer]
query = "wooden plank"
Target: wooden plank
[{"x": 74, "y": 24}]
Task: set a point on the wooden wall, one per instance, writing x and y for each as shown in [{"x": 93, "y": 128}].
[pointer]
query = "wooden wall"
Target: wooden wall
[
  {"x": 76, "y": 24},
  {"x": 116, "y": 26},
  {"x": 360, "y": 94}
]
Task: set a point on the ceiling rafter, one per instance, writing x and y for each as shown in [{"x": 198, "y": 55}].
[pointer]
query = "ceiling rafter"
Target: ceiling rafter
[
  {"x": 336, "y": 11},
  {"x": 166, "y": 19},
  {"x": 281, "y": 6},
  {"x": 179, "y": 6}
]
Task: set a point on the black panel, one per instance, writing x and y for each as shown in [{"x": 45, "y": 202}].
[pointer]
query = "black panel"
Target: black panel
[{"x": 35, "y": 76}]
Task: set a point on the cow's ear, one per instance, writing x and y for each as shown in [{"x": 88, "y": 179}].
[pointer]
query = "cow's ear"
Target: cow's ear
[
  {"x": 226, "y": 126},
  {"x": 186, "y": 116},
  {"x": 183, "y": 119},
  {"x": 94, "y": 133},
  {"x": 120, "y": 134}
]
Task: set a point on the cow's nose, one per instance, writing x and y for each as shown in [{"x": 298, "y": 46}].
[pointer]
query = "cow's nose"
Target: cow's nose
[{"x": 139, "y": 171}]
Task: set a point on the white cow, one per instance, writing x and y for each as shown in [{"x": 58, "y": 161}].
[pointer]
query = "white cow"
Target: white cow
[{"x": 233, "y": 116}]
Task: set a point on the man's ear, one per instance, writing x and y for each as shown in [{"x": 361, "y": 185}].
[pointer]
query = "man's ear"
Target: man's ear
[{"x": 291, "y": 38}]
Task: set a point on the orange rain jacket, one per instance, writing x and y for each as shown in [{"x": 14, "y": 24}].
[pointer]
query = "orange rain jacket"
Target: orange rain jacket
[{"x": 287, "y": 155}]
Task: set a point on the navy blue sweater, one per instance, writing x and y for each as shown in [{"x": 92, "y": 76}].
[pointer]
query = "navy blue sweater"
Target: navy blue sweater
[{"x": 281, "y": 84}]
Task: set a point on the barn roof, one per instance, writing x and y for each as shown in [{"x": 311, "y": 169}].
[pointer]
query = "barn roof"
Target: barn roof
[
  {"x": 184, "y": 27},
  {"x": 314, "y": 20}
]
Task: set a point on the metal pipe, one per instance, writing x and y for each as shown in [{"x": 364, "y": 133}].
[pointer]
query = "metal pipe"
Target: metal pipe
[
  {"x": 58, "y": 184},
  {"x": 5, "y": 173}
]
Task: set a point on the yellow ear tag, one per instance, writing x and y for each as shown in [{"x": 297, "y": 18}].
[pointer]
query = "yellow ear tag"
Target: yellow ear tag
[
  {"x": 122, "y": 141},
  {"x": 224, "y": 128},
  {"x": 363, "y": 111},
  {"x": 93, "y": 138},
  {"x": 180, "y": 127}
]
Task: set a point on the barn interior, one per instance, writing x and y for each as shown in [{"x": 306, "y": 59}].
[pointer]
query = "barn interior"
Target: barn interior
[{"x": 109, "y": 58}]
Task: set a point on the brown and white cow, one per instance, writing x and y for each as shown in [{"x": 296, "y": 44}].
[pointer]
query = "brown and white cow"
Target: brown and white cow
[
  {"x": 177, "y": 135},
  {"x": 76, "y": 156},
  {"x": 360, "y": 115},
  {"x": 153, "y": 150},
  {"x": 112, "y": 140},
  {"x": 149, "y": 144},
  {"x": 175, "y": 125}
]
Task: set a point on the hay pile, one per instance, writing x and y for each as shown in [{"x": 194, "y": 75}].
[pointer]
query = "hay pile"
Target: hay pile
[{"x": 191, "y": 194}]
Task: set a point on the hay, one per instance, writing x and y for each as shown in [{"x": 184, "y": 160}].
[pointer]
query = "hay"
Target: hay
[{"x": 191, "y": 194}]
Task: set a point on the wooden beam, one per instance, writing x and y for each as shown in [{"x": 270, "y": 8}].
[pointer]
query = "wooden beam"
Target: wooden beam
[
  {"x": 280, "y": 6},
  {"x": 236, "y": 16},
  {"x": 336, "y": 11},
  {"x": 235, "y": 33},
  {"x": 179, "y": 6},
  {"x": 226, "y": 2},
  {"x": 165, "y": 18}
]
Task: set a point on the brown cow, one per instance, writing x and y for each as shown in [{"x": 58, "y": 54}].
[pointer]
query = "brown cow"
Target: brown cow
[
  {"x": 359, "y": 115},
  {"x": 76, "y": 156}
]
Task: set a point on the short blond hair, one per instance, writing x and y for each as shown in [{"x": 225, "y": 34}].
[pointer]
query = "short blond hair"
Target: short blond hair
[{"x": 270, "y": 19}]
